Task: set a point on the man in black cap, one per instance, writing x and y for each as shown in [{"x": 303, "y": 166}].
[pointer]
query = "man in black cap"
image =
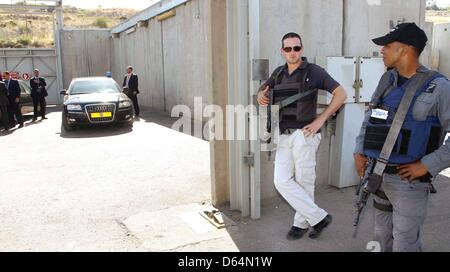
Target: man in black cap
[{"x": 419, "y": 153}]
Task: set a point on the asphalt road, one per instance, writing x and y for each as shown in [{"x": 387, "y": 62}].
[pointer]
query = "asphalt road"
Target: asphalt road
[{"x": 72, "y": 192}]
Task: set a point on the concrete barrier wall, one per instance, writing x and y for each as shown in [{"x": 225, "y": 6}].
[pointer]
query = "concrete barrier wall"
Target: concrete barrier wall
[
  {"x": 442, "y": 44},
  {"x": 84, "y": 53},
  {"x": 318, "y": 22},
  {"x": 142, "y": 49},
  {"x": 368, "y": 19},
  {"x": 172, "y": 57}
]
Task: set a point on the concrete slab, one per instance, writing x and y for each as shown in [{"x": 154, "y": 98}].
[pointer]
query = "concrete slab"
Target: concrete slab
[
  {"x": 72, "y": 192},
  {"x": 176, "y": 228}
]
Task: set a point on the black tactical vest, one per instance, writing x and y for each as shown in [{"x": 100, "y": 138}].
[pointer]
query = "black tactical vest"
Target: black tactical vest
[{"x": 298, "y": 114}]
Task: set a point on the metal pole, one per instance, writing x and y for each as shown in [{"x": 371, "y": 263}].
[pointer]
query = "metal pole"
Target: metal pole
[
  {"x": 238, "y": 90},
  {"x": 231, "y": 17},
  {"x": 58, "y": 26},
  {"x": 255, "y": 145},
  {"x": 243, "y": 91}
]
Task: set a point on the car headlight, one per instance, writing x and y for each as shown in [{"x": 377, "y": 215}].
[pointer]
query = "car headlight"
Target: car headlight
[
  {"x": 124, "y": 104},
  {"x": 74, "y": 107}
]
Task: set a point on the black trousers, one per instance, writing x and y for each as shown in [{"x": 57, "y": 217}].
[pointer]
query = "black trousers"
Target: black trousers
[
  {"x": 39, "y": 101},
  {"x": 15, "y": 111},
  {"x": 134, "y": 99},
  {"x": 5, "y": 118}
]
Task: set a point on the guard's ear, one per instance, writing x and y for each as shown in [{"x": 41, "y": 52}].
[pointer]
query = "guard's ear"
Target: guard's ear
[{"x": 405, "y": 49}]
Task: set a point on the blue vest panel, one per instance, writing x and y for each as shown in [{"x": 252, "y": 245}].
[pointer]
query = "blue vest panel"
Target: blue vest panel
[{"x": 416, "y": 138}]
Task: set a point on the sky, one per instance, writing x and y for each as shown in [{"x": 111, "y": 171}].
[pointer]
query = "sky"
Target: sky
[{"x": 443, "y": 3}]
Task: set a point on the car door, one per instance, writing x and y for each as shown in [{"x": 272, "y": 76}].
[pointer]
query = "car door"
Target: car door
[{"x": 25, "y": 97}]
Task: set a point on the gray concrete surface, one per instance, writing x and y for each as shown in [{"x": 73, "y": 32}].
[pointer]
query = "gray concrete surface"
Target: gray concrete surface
[
  {"x": 73, "y": 192},
  {"x": 171, "y": 57},
  {"x": 365, "y": 20},
  {"x": 112, "y": 189},
  {"x": 143, "y": 50},
  {"x": 85, "y": 52},
  {"x": 268, "y": 233},
  {"x": 442, "y": 43}
]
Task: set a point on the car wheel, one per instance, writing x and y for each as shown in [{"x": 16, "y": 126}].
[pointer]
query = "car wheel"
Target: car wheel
[
  {"x": 128, "y": 125},
  {"x": 65, "y": 126}
]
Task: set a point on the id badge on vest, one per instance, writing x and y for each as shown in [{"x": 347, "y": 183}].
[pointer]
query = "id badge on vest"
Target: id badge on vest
[{"x": 380, "y": 114}]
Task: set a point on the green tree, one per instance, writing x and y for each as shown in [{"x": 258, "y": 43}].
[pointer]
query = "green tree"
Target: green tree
[{"x": 101, "y": 23}]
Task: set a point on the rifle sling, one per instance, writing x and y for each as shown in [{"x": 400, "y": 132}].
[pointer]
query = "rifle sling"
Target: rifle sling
[{"x": 417, "y": 81}]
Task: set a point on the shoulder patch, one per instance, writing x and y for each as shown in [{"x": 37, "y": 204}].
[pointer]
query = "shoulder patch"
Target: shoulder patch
[{"x": 431, "y": 88}]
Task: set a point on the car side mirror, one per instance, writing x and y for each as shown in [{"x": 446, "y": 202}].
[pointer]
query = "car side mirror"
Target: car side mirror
[{"x": 63, "y": 92}]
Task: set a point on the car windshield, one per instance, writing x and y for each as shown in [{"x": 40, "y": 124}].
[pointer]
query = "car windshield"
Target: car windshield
[{"x": 94, "y": 86}]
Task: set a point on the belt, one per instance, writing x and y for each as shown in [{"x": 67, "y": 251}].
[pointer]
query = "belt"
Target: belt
[
  {"x": 289, "y": 131},
  {"x": 391, "y": 169}
]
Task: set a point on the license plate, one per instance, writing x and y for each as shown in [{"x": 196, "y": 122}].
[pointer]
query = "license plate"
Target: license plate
[{"x": 101, "y": 114}]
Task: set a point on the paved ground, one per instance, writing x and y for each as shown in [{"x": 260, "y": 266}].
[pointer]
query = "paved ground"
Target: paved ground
[
  {"x": 73, "y": 192},
  {"x": 114, "y": 189}
]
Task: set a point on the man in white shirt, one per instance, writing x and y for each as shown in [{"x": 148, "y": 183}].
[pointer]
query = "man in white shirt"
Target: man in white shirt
[{"x": 131, "y": 88}]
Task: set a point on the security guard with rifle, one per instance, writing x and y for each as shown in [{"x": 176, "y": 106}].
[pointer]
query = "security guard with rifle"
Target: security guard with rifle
[
  {"x": 401, "y": 141},
  {"x": 294, "y": 87}
]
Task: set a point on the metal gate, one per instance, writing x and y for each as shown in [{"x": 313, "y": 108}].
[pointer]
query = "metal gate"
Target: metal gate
[{"x": 21, "y": 62}]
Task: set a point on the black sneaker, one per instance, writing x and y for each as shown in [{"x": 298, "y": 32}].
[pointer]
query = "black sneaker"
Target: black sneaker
[
  {"x": 317, "y": 229},
  {"x": 296, "y": 233}
]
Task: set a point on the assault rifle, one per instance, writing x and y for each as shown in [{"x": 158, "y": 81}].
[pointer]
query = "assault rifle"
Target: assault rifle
[{"x": 363, "y": 194}]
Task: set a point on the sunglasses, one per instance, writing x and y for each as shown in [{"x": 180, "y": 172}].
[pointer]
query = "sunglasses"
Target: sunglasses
[{"x": 289, "y": 49}]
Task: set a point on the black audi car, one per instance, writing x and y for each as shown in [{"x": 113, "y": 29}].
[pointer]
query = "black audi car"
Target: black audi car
[{"x": 95, "y": 101}]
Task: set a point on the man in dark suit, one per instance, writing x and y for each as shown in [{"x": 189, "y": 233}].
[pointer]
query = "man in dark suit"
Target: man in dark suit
[
  {"x": 38, "y": 93},
  {"x": 14, "y": 100},
  {"x": 131, "y": 88},
  {"x": 4, "y": 102}
]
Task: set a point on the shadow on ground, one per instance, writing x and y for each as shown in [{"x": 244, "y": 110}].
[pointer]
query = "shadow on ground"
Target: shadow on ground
[{"x": 268, "y": 233}]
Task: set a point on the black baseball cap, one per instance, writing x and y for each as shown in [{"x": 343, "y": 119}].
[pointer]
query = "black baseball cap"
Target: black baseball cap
[{"x": 407, "y": 33}]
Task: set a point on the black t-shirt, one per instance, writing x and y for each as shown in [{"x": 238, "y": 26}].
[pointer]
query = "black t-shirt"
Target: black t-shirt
[{"x": 318, "y": 78}]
